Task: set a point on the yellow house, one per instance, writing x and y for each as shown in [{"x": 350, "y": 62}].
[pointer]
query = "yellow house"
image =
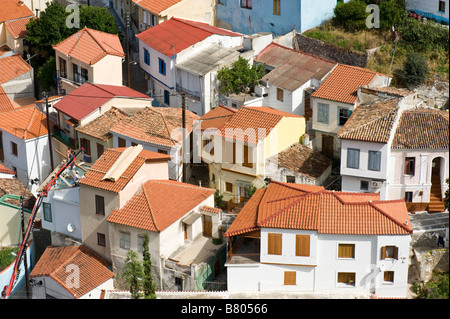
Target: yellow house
[
  {"x": 237, "y": 143},
  {"x": 88, "y": 56}
]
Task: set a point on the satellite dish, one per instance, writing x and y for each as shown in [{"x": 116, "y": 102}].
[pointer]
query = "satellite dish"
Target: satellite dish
[{"x": 70, "y": 228}]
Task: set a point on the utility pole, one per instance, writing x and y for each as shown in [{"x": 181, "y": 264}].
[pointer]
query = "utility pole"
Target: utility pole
[
  {"x": 49, "y": 134},
  {"x": 25, "y": 261},
  {"x": 183, "y": 117},
  {"x": 127, "y": 58}
]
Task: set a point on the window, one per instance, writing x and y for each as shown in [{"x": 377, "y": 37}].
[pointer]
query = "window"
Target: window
[
  {"x": 280, "y": 94},
  {"x": 86, "y": 144},
  {"x": 388, "y": 276},
  {"x": 302, "y": 244},
  {"x": 162, "y": 151},
  {"x": 274, "y": 244},
  {"x": 290, "y": 179},
  {"x": 343, "y": 115},
  {"x": 364, "y": 186},
  {"x": 408, "y": 197},
  {"x": 62, "y": 68},
  {"x": 346, "y": 251},
  {"x": 441, "y": 6},
  {"x": 121, "y": 142},
  {"x": 146, "y": 57},
  {"x": 100, "y": 150},
  {"x": 124, "y": 240},
  {"x": 276, "y": 7},
  {"x": 208, "y": 145},
  {"x": 247, "y": 4},
  {"x": 166, "y": 97},
  {"x": 290, "y": 278},
  {"x": 99, "y": 205},
  {"x": 323, "y": 111},
  {"x": 14, "y": 149},
  {"x": 162, "y": 67},
  {"x": 347, "y": 278},
  {"x": 353, "y": 158},
  {"x": 389, "y": 252},
  {"x": 410, "y": 165},
  {"x": 140, "y": 243},
  {"x": 247, "y": 163},
  {"x": 80, "y": 75},
  {"x": 47, "y": 212},
  {"x": 374, "y": 161},
  {"x": 228, "y": 187},
  {"x": 101, "y": 239}
]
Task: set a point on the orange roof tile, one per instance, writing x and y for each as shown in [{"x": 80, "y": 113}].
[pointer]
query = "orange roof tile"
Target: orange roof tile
[
  {"x": 99, "y": 127},
  {"x": 11, "y": 9},
  {"x": 149, "y": 209},
  {"x": 25, "y": 122},
  {"x": 156, "y": 6},
  {"x": 94, "y": 177},
  {"x": 12, "y": 67},
  {"x": 18, "y": 28},
  {"x": 55, "y": 261},
  {"x": 6, "y": 170},
  {"x": 343, "y": 82},
  {"x": 90, "y": 46},
  {"x": 288, "y": 206},
  {"x": 5, "y": 102}
]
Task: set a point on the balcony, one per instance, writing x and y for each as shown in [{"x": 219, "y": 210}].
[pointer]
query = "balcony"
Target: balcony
[
  {"x": 64, "y": 138},
  {"x": 244, "y": 250}
]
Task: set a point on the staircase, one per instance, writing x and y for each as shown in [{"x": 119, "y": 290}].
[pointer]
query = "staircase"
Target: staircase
[{"x": 436, "y": 202}]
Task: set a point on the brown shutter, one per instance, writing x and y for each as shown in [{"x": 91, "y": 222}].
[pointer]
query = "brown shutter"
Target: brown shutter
[
  {"x": 395, "y": 252},
  {"x": 406, "y": 166},
  {"x": 383, "y": 252},
  {"x": 290, "y": 278},
  {"x": 234, "y": 153},
  {"x": 302, "y": 244},
  {"x": 274, "y": 244},
  {"x": 100, "y": 150}
]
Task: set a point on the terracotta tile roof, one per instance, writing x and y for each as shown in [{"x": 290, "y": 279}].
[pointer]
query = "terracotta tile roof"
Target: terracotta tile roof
[
  {"x": 156, "y": 125},
  {"x": 282, "y": 206},
  {"x": 17, "y": 28},
  {"x": 5, "y": 170},
  {"x": 398, "y": 92},
  {"x": 25, "y": 122},
  {"x": 252, "y": 119},
  {"x": 94, "y": 177},
  {"x": 343, "y": 82},
  {"x": 89, "y": 97},
  {"x": 210, "y": 209},
  {"x": 149, "y": 208},
  {"x": 90, "y": 46},
  {"x": 175, "y": 35},
  {"x": 292, "y": 68},
  {"x": 13, "y": 186},
  {"x": 11, "y": 10},
  {"x": 4, "y": 49},
  {"x": 373, "y": 122},
  {"x": 54, "y": 263},
  {"x": 422, "y": 128},
  {"x": 12, "y": 67},
  {"x": 5, "y": 102},
  {"x": 302, "y": 159},
  {"x": 156, "y": 6},
  {"x": 99, "y": 127}
]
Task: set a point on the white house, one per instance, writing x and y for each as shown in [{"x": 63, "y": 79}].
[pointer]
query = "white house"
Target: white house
[
  {"x": 437, "y": 10},
  {"x": 24, "y": 146},
  {"x": 334, "y": 101},
  {"x": 163, "y": 47},
  {"x": 398, "y": 150},
  {"x": 287, "y": 239},
  {"x": 71, "y": 272}
]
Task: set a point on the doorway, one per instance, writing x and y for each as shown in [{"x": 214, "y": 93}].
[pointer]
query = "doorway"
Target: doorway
[
  {"x": 436, "y": 202},
  {"x": 327, "y": 145},
  {"x": 207, "y": 226}
]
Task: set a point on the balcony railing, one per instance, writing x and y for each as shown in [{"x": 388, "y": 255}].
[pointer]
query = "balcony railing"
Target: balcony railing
[
  {"x": 195, "y": 95},
  {"x": 64, "y": 138}
]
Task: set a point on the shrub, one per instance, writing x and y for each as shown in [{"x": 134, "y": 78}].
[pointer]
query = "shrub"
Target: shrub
[
  {"x": 351, "y": 15},
  {"x": 414, "y": 70}
]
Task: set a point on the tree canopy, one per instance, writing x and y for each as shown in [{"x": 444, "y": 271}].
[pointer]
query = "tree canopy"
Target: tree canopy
[{"x": 239, "y": 76}]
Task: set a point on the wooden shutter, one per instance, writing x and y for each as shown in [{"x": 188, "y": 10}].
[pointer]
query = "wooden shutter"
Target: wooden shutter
[
  {"x": 234, "y": 153},
  {"x": 100, "y": 150},
  {"x": 302, "y": 244},
  {"x": 346, "y": 251},
  {"x": 346, "y": 277},
  {"x": 383, "y": 252},
  {"x": 389, "y": 276},
  {"x": 280, "y": 94},
  {"x": 290, "y": 278},
  {"x": 395, "y": 252},
  {"x": 274, "y": 244},
  {"x": 246, "y": 161}
]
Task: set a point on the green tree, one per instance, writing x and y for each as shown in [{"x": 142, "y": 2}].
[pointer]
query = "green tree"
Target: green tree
[
  {"x": 45, "y": 74},
  {"x": 447, "y": 196},
  {"x": 351, "y": 15},
  {"x": 240, "y": 76},
  {"x": 133, "y": 273},
  {"x": 414, "y": 70},
  {"x": 148, "y": 284}
]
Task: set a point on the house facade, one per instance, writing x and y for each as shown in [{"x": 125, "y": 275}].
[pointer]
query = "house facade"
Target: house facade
[
  {"x": 334, "y": 101},
  {"x": 236, "y": 144},
  {"x": 278, "y": 17},
  {"x": 13, "y": 18},
  {"x": 88, "y": 56},
  {"x": 277, "y": 244},
  {"x": 436, "y": 10}
]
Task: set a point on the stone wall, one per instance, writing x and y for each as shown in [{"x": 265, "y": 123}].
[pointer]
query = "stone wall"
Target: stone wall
[{"x": 330, "y": 52}]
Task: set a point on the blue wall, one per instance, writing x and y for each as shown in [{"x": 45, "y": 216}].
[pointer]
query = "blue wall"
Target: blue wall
[{"x": 300, "y": 15}]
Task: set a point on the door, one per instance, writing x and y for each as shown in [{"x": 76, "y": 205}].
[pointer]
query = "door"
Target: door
[
  {"x": 243, "y": 194},
  {"x": 327, "y": 145},
  {"x": 207, "y": 226}
]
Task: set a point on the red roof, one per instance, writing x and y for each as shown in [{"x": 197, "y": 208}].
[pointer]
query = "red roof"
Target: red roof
[
  {"x": 18, "y": 28},
  {"x": 90, "y": 46},
  {"x": 290, "y": 206},
  {"x": 12, "y": 67},
  {"x": 25, "y": 122},
  {"x": 11, "y": 9},
  {"x": 175, "y": 35},
  {"x": 6, "y": 170},
  {"x": 93, "y": 269},
  {"x": 156, "y": 6},
  {"x": 88, "y": 97},
  {"x": 5, "y": 102},
  {"x": 149, "y": 208}
]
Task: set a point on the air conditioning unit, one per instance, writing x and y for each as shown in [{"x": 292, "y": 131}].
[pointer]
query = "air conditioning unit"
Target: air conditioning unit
[{"x": 376, "y": 184}]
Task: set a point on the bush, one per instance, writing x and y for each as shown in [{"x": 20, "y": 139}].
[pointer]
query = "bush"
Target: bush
[
  {"x": 414, "y": 70},
  {"x": 351, "y": 15},
  {"x": 424, "y": 36}
]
